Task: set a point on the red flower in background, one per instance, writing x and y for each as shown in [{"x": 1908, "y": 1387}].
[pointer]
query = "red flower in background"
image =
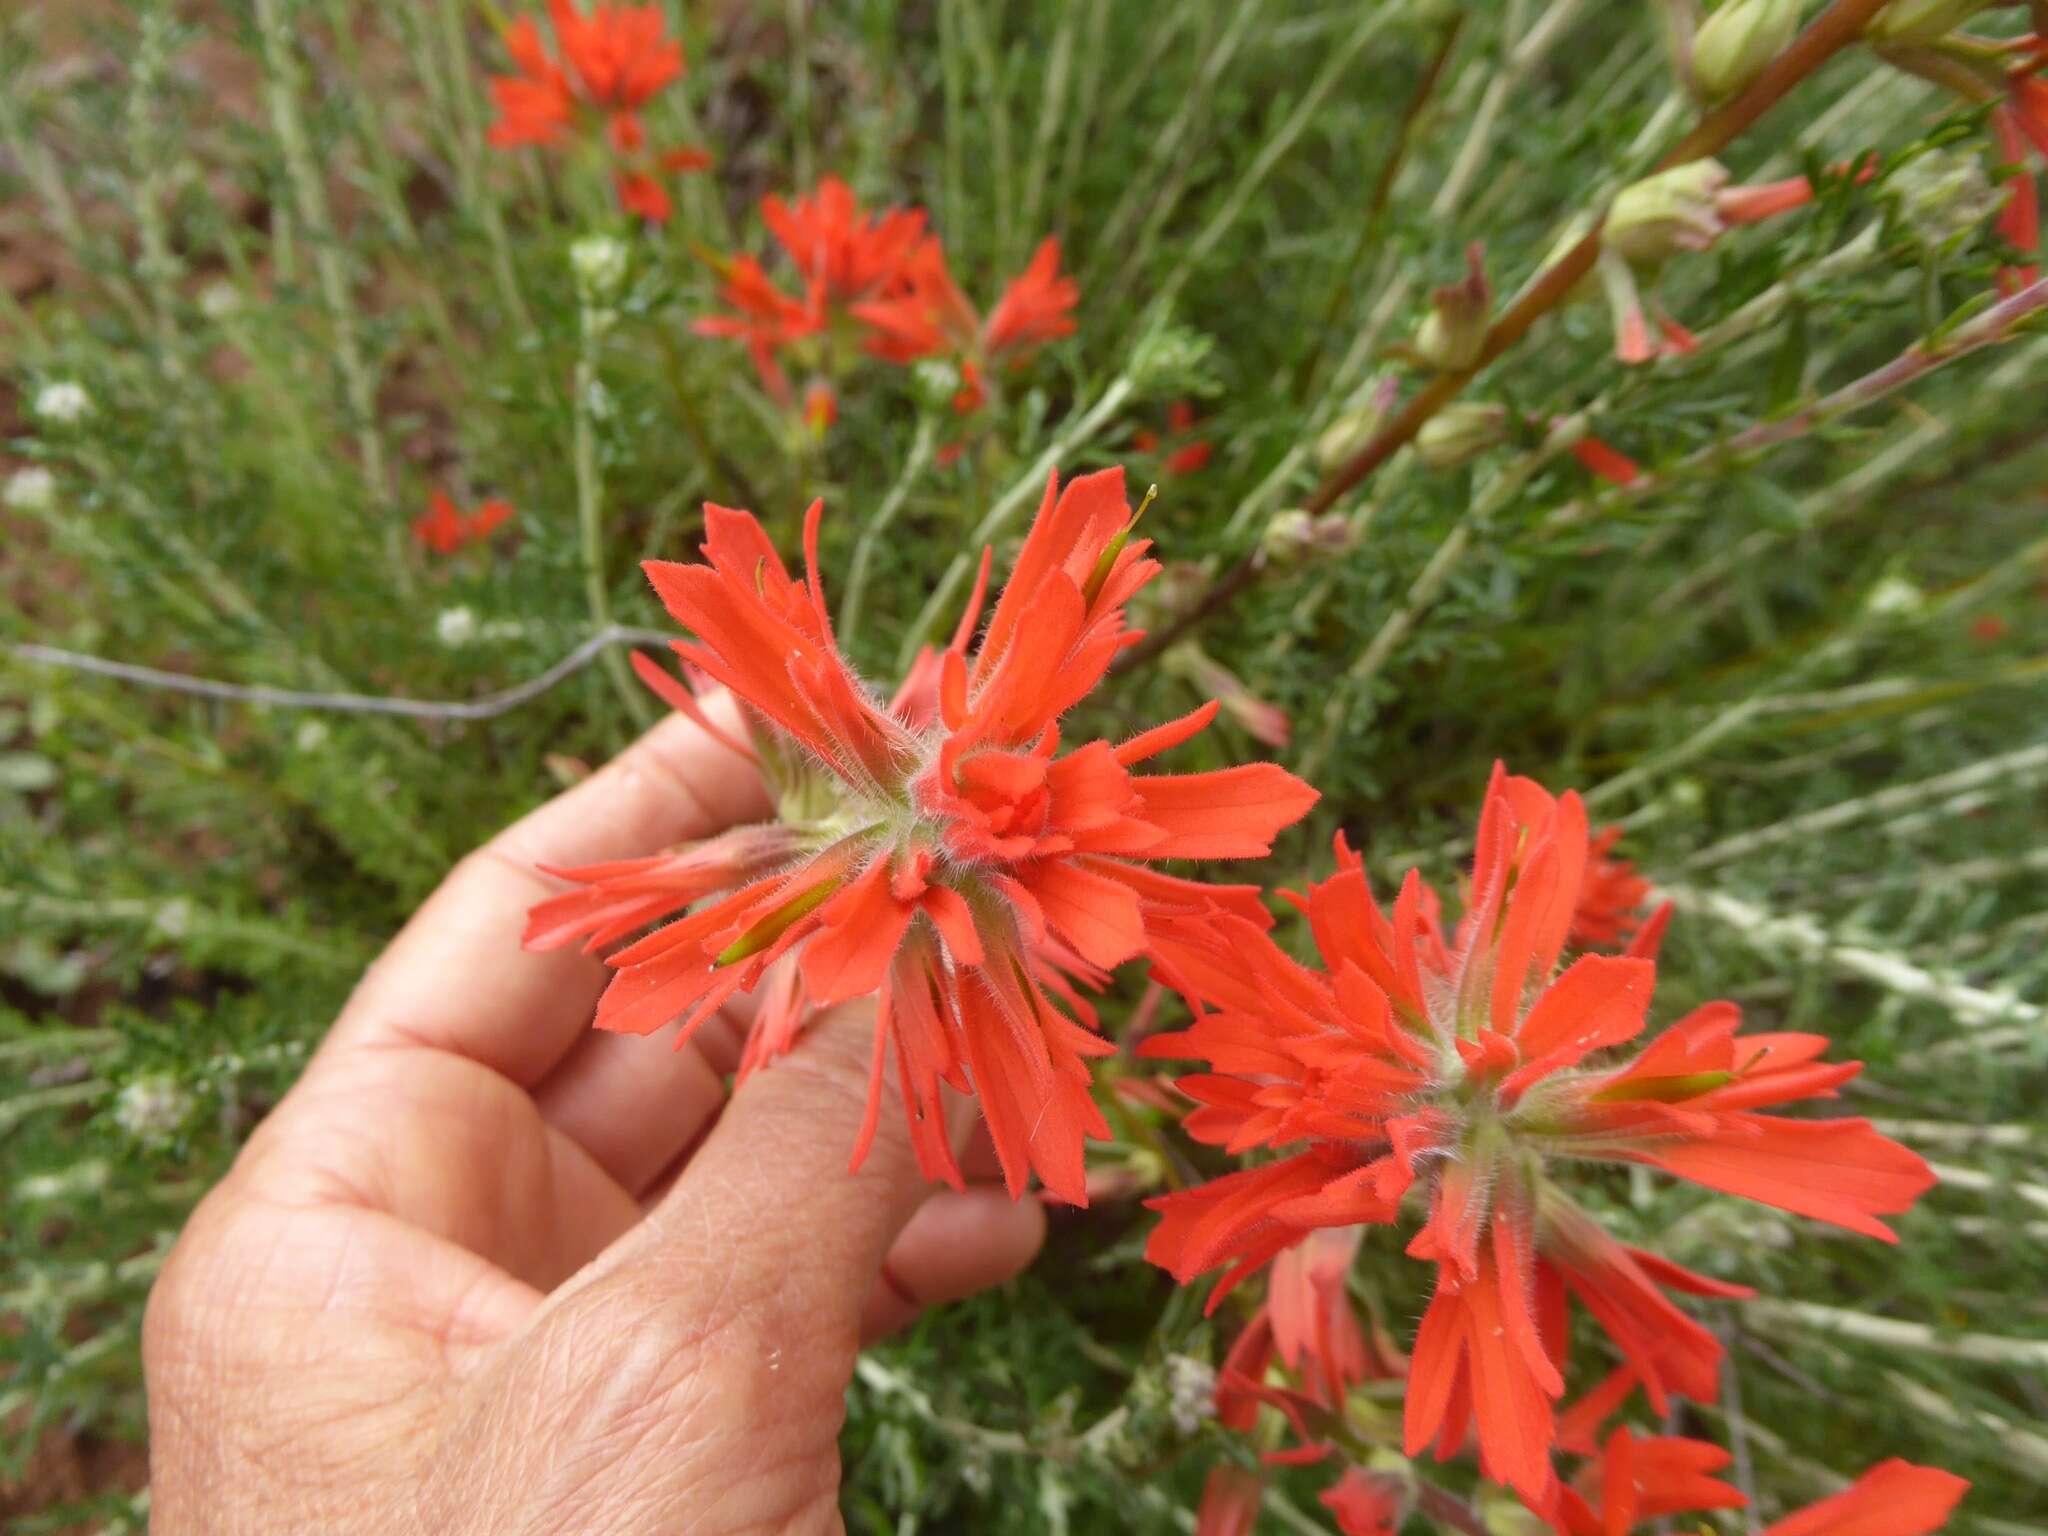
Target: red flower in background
[
  {"x": 1456, "y": 1064},
  {"x": 1607, "y": 462},
  {"x": 959, "y": 864},
  {"x": 617, "y": 60},
  {"x": 1634, "y": 1480},
  {"x": 765, "y": 318},
  {"x": 1610, "y": 895},
  {"x": 1037, "y": 307},
  {"x": 612, "y": 62},
  {"x": 929, "y": 316},
  {"x": 1894, "y": 1498},
  {"x": 842, "y": 253},
  {"x": 1637, "y": 1479},
  {"x": 1190, "y": 455},
  {"x": 1230, "y": 1502},
  {"x": 444, "y": 529},
  {"x": 1365, "y": 1503}
]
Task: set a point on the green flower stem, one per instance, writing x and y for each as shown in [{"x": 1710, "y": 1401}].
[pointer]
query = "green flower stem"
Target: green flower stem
[
  {"x": 879, "y": 524},
  {"x": 309, "y": 196},
  {"x": 590, "y": 522}
]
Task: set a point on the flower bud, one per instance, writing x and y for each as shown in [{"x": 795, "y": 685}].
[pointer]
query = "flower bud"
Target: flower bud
[
  {"x": 1942, "y": 195},
  {"x": 1459, "y": 433},
  {"x": 934, "y": 382},
  {"x": 1258, "y": 718},
  {"x": 600, "y": 263},
  {"x": 1351, "y": 430},
  {"x": 1672, "y": 211},
  {"x": 1734, "y": 45},
  {"x": 1288, "y": 537},
  {"x": 1894, "y": 597},
  {"x": 1453, "y": 334},
  {"x": 1921, "y": 21}
]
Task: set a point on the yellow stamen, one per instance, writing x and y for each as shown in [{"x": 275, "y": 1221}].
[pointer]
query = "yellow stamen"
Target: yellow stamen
[{"x": 1100, "y": 575}]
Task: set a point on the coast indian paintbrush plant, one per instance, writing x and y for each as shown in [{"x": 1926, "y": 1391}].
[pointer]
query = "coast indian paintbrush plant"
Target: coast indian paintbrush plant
[{"x": 1474, "y": 1203}]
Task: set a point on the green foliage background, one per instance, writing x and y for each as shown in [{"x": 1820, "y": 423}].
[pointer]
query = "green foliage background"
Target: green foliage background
[{"x": 268, "y": 240}]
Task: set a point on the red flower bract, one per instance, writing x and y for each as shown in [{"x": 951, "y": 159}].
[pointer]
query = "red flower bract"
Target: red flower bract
[
  {"x": 942, "y": 853},
  {"x": 1457, "y": 1065}
]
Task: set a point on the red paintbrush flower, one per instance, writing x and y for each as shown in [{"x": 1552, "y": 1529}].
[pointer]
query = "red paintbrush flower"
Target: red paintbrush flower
[
  {"x": 1610, "y": 895},
  {"x": 765, "y": 318},
  {"x": 1894, "y": 1498},
  {"x": 1230, "y": 1502},
  {"x": 1190, "y": 455},
  {"x": 1459, "y": 1065},
  {"x": 843, "y": 253},
  {"x": 948, "y": 856},
  {"x": 1608, "y": 462},
  {"x": 1366, "y": 1503},
  {"x": 1037, "y": 307},
  {"x": 613, "y": 61},
  {"x": 617, "y": 59},
  {"x": 444, "y": 529},
  {"x": 929, "y": 315},
  {"x": 2019, "y": 222},
  {"x": 1638, "y": 1479}
]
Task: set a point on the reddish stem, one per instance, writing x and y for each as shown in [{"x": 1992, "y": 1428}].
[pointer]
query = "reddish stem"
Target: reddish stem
[{"x": 1833, "y": 30}]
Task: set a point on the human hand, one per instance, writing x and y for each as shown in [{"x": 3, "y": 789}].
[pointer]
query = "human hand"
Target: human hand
[{"x": 484, "y": 1269}]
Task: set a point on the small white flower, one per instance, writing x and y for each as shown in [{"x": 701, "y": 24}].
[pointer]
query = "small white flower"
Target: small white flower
[
  {"x": 151, "y": 1109},
  {"x": 1894, "y": 597},
  {"x": 1190, "y": 1392},
  {"x": 311, "y": 735},
  {"x": 32, "y": 489},
  {"x": 63, "y": 403},
  {"x": 600, "y": 263},
  {"x": 218, "y": 300},
  {"x": 455, "y": 627},
  {"x": 174, "y": 918},
  {"x": 84, "y": 1178}
]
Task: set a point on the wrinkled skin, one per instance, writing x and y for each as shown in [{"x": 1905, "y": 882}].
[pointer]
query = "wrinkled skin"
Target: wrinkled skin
[{"x": 484, "y": 1270}]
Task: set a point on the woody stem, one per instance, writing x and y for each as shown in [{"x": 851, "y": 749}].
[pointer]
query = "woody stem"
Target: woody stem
[
  {"x": 1448, "y": 1509},
  {"x": 1836, "y": 27}
]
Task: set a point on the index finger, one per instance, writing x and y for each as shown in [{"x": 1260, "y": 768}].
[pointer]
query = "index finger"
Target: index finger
[{"x": 457, "y": 979}]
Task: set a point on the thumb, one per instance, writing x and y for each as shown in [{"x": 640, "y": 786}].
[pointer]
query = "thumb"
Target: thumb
[
  {"x": 699, "y": 1366},
  {"x": 772, "y": 1178}
]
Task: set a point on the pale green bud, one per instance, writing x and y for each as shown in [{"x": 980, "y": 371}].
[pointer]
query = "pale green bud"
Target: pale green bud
[
  {"x": 1672, "y": 211},
  {"x": 1734, "y": 45},
  {"x": 1943, "y": 194},
  {"x": 1921, "y": 21},
  {"x": 1459, "y": 433},
  {"x": 1453, "y": 334},
  {"x": 1351, "y": 430},
  {"x": 934, "y": 382},
  {"x": 600, "y": 263}
]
